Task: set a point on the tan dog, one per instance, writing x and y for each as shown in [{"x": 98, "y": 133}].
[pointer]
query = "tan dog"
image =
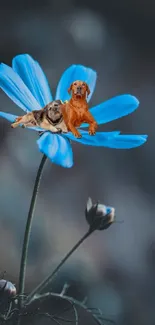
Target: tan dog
[
  {"x": 49, "y": 118},
  {"x": 75, "y": 111}
]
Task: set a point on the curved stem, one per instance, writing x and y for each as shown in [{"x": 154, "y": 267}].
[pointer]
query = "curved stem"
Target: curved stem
[
  {"x": 74, "y": 301},
  {"x": 28, "y": 231},
  {"x": 40, "y": 288}
]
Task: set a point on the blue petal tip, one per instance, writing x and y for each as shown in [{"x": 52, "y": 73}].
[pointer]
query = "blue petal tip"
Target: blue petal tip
[
  {"x": 137, "y": 102},
  {"x": 145, "y": 137},
  {"x": 133, "y": 100},
  {"x": 81, "y": 67}
]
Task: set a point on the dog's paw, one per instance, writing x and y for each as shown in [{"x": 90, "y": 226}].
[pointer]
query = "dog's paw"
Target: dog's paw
[
  {"x": 13, "y": 125},
  {"x": 92, "y": 132},
  {"x": 78, "y": 135},
  {"x": 59, "y": 131}
]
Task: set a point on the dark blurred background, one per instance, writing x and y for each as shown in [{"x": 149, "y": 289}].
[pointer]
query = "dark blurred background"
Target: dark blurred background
[{"x": 115, "y": 268}]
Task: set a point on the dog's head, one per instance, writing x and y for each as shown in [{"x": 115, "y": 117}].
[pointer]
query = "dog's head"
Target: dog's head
[
  {"x": 79, "y": 89},
  {"x": 54, "y": 111}
]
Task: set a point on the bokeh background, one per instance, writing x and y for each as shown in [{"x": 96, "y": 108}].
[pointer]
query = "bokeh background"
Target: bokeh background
[{"x": 115, "y": 268}]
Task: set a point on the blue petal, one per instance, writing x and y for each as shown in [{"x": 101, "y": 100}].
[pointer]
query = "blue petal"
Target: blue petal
[
  {"x": 110, "y": 139},
  {"x": 10, "y": 117},
  {"x": 113, "y": 109},
  {"x": 100, "y": 139},
  {"x": 57, "y": 148},
  {"x": 75, "y": 72},
  {"x": 108, "y": 209},
  {"x": 34, "y": 128},
  {"x": 14, "y": 87},
  {"x": 34, "y": 78},
  {"x": 127, "y": 141}
]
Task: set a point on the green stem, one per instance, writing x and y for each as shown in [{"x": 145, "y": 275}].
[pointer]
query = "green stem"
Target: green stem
[
  {"x": 41, "y": 287},
  {"x": 23, "y": 263}
]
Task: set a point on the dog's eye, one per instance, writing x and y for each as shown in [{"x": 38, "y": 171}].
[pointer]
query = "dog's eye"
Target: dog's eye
[
  {"x": 83, "y": 84},
  {"x": 75, "y": 83}
]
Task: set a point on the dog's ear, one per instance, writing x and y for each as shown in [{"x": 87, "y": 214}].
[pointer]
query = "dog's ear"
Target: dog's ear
[
  {"x": 88, "y": 90},
  {"x": 46, "y": 108},
  {"x": 70, "y": 88}
]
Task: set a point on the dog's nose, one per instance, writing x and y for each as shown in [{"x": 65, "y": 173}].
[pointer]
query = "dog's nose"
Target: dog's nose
[{"x": 79, "y": 88}]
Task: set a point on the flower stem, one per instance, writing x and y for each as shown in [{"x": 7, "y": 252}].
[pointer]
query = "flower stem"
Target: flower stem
[
  {"x": 41, "y": 287},
  {"x": 28, "y": 232}
]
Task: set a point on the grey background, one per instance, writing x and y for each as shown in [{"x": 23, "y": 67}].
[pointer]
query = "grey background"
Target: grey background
[{"x": 115, "y": 268}]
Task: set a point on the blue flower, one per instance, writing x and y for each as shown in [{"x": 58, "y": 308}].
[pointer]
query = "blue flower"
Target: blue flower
[{"x": 26, "y": 84}]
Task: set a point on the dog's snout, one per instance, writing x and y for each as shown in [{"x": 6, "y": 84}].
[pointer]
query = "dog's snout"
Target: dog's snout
[
  {"x": 79, "y": 88},
  {"x": 55, "y": 108}
]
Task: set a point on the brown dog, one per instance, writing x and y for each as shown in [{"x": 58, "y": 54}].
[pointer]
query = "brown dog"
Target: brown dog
[
  {"x": 76, "y": 112},
  {"x": 49, "y": 118}
]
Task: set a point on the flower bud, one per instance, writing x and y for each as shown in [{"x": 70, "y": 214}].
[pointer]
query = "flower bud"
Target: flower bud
[
  {"x": 99, "y": 216},
  {"x": 7, "y": 289}
]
